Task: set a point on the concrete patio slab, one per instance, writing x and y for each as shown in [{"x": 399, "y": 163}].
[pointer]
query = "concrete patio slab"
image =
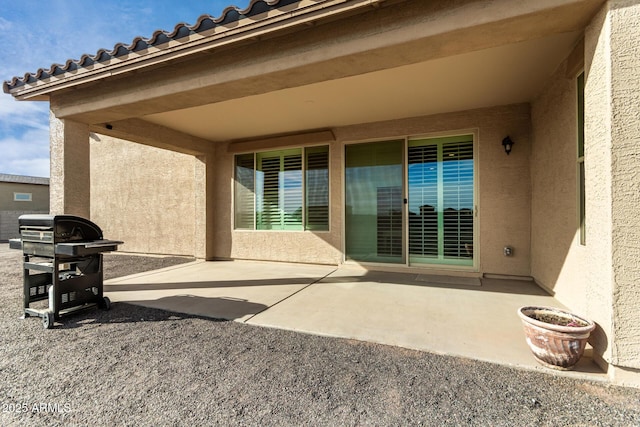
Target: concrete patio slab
[
  {"x": 402, "y": 309},
  {"x": 233, "y": 290}
]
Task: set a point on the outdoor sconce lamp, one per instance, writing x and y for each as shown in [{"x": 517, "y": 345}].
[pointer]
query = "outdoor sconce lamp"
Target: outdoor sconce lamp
[{"x": 507, "y": 143}]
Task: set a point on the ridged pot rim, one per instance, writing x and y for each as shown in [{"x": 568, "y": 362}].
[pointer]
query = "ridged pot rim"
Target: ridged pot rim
[{"x": 550, "y": 326}]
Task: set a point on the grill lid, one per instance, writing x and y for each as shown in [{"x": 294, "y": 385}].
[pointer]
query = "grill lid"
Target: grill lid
[{"x": 65, "y": 228}]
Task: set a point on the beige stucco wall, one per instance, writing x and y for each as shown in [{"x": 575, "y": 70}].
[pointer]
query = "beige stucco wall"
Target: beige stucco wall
[
  {"x": 70, "y": 173},
  {"x": 143, "y": 196},
  {"x": 612, "y": 58},
  {"x": 597, "y": 271},
  {"x": 623, "y": 29},
  {"x": 578, "y": 275},
  {"x": 600, "y": 278},
  {"x": 503, "y": 191},
  {"x": 557, "y": 257}
]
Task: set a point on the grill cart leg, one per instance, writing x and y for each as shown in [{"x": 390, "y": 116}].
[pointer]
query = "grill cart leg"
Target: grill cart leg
[{"x": 25, "y": 285}]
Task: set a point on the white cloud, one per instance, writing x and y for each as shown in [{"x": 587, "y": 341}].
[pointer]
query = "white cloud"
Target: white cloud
[
  {"x": 33, "y": 115},
  {"x": 25, "y": 154},
  {"x": 30, "y": 167}
]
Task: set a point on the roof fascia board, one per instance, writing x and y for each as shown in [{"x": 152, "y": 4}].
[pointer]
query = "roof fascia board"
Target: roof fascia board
[{"x": 306, "y": 13}]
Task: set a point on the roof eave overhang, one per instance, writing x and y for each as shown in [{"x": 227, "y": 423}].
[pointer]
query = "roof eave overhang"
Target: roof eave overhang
[{"x": 287, "y": 18}]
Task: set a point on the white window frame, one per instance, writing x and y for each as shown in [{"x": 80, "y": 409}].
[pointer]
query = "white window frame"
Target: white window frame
[{"x": 580, "y": 167}]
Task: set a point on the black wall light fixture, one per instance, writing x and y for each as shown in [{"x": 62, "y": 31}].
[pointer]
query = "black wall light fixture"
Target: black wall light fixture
[{"x": 507, "y": 143}]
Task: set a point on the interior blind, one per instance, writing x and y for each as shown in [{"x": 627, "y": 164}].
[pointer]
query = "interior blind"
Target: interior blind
[
  {"x": 268, "y": 210},
  {"x": 291, "y": 192},
  {"x": 457, "y": 174},
  {"x": 244, "y": 192},
  {"x": 389, "y": 221},
  {"x": 423, "y": 188},
  {"x": 317, "y": 188}
]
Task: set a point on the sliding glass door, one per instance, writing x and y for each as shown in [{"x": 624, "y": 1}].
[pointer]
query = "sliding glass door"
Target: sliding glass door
[{"x": 436, "y": 185}]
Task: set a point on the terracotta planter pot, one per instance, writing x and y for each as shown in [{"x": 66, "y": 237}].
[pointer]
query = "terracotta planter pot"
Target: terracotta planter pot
[{"x": 556, "y": 337}]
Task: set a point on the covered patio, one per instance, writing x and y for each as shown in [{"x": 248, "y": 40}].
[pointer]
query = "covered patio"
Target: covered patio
[
  {"x": 467, "y": 317},
  {"x": 493, "y": 141}
]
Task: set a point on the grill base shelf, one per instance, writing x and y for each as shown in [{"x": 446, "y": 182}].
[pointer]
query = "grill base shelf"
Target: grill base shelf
[{"x": 72, "y": 290}]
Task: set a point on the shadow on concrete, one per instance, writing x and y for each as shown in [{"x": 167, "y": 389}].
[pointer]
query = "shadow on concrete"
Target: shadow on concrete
[{"x": 221, "y": 308}]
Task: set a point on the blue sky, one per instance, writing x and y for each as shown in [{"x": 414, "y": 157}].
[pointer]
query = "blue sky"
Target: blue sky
[{"x": 35, "y": 34}]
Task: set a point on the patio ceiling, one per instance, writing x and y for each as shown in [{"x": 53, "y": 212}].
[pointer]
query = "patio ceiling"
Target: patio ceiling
[{"x": 507, "y": 74}]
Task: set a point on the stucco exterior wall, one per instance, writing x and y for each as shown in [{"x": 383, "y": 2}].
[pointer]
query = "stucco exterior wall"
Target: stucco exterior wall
[
  {"x": 624, "y": 27},
  {"x": 557, "y": 257},
  {"x": 503, "y": 192},
  {"x": 612, "y": 125},
  {"x": 597, "y": 272},
  {"x": 70, "y": 174},
  {"x": 143, "y": 196}
]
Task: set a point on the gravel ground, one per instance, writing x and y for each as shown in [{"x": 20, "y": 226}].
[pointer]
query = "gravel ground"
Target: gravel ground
[{"x": 137, "y": 366}]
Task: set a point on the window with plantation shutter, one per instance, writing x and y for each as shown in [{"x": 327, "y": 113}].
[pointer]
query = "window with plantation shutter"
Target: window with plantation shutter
[{"x": 291, "y": 190}]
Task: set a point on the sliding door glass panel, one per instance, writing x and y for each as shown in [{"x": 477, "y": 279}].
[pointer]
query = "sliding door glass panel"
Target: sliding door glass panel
[
  {"x": 441, "y": 200},
  {"x": 373, "y": 199}
]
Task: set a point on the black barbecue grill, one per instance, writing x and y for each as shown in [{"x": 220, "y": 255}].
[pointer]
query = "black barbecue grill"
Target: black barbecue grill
[{"x": 62, "y": 262}]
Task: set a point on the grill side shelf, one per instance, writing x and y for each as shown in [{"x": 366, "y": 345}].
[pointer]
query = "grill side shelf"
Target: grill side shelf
[
  {"x": 15, "y": 244},
  {"x": 86, "y": 248}
]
